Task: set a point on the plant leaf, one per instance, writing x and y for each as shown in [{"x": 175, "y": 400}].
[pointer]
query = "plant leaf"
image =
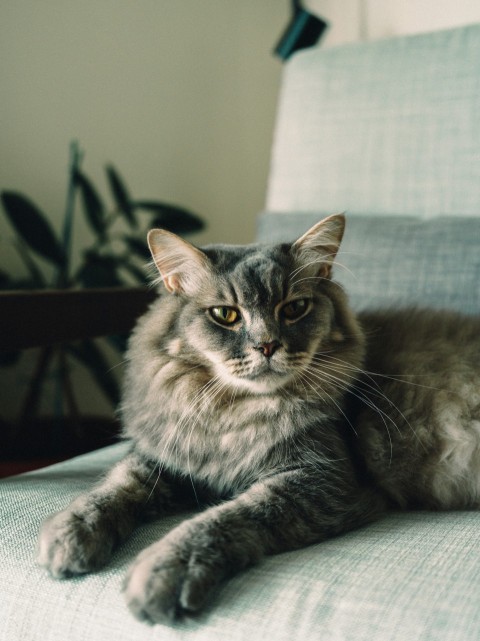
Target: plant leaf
[
  {"x": 92, "y": 204},
  {"x": 36, "y": 277},
  {"x": 121, "y": 195},
  {"x": 99, "y": 271},
  {"x": 21, "y": 283},
  {"x": 5, "y": 280},
  {"x": 171, "y": 217},
  {"x": 122, "y": 262},
  {"x": 9, "y": 358},
  {"x": 135, "y": 271},
  {"x": 33, "y": 227},
  {"x": 138, "y": 247},
  {"x": 88, "y": 353},
  {"x": 119, "y": 341}
]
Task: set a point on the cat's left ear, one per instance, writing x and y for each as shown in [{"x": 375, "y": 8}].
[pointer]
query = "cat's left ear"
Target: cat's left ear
[
  {"x": 318, "y": 247},
  {"x": 182, "y": 266}
]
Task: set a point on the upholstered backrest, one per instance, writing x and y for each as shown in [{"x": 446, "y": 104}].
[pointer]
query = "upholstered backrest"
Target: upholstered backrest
[
  {"x": 389, "y": 132},
  {"x": 396, "y": 261},
  {"x": 387, "y": 127}
]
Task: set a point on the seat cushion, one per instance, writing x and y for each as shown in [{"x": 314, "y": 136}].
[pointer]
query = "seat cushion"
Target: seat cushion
[{"x": 408, "y": 576}]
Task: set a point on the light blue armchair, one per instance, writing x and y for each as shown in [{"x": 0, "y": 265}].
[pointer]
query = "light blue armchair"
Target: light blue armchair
[{"x": 390, "y": 132}]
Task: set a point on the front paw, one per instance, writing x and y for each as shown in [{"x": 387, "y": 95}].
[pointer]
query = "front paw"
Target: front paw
[
  {"x": 71, "y": 542},
  {"x": 173, "y": 577}
]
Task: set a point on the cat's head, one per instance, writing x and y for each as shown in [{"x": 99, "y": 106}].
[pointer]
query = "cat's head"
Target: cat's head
[{"x": 257, "y": 314}]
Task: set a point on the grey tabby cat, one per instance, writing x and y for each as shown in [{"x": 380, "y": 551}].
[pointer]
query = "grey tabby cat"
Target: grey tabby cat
[{"x": 252, "y": 385}]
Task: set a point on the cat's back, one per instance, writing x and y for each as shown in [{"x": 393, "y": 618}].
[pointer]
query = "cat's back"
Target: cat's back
[
  {"x": 392, "y": 332},
  {"x": 421, "y": 434}
]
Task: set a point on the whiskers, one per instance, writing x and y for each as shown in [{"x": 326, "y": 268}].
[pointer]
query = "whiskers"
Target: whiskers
[
  {"x": 320, "y": 376},
  {"x": 331, "y": 371},
  {"x": 282, "y": 363}
]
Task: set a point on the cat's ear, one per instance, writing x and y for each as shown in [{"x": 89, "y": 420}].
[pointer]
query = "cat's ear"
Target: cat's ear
[
  {"x": 318, "y": 247},
  {"x": 181, "y": 265}
]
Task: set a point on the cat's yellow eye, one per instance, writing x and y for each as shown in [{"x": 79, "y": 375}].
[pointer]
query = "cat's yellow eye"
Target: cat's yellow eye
[
  {"x": 225, "y": 315},
  {"x": 295, "y": 309}
]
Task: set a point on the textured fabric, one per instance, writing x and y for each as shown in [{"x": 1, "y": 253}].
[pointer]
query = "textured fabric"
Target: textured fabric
[
  {"x": 384, "y": 127},
  {"x": 398, "y": 260},
  {"x": 409, "y": 576}
]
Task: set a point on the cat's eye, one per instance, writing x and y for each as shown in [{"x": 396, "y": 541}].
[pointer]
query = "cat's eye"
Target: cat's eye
[
  {"x": 225, "y": 315},
  {"x": 295, "y": 309}
]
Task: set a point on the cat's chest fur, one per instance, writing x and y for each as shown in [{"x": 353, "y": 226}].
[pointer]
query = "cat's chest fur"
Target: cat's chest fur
[
  {"x": 211, "y": 434},
  {"x": 188, "y": 418},
  {"x": 192, "y": 424}
]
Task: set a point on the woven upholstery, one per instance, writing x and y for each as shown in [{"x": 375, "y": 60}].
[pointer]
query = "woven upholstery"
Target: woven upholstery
[
  {"x": 388, "y": 127},
  {"x": 409, "y": 576}
]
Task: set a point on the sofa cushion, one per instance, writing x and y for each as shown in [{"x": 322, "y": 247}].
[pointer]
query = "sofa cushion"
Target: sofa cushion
[
  {"x": 381, "y": 127},
  {"x": 398, "y": 260},
  {"x": 408, "y": 576}
]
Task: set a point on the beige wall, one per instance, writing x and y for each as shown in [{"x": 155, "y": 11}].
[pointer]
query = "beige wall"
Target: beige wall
[
  {"x": 179, "y": 94},
  {"x": 354, "y": 20}
]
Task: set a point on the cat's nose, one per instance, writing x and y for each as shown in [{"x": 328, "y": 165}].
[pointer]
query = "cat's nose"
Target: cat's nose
[{"x": 268, "y": 349}]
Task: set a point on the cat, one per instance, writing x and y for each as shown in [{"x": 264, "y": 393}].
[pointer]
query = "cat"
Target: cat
[{"x": 251, "y": 386}]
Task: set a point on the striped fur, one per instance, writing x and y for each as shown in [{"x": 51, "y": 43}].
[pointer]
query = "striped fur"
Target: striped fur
[{"x": 294, "y": 422}]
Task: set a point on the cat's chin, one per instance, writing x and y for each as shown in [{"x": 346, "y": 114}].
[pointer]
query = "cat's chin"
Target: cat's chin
[
  {"x": 260, "y": 378},
  {"x": 266, "y": 383}
]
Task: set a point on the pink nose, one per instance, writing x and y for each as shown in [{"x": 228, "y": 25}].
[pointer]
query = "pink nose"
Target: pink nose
[{"x": 268, "y": 349}]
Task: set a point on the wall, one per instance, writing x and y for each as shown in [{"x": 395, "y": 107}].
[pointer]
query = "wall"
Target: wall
[
  {"x": 179, "y": 95},
  {"x": 354, "y": 20}
]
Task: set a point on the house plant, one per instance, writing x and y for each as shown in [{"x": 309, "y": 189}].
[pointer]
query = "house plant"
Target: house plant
[{"x": 116, "y": 258}]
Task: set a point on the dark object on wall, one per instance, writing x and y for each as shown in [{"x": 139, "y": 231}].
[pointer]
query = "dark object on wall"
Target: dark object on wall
[{"x": 303, "y": 31}]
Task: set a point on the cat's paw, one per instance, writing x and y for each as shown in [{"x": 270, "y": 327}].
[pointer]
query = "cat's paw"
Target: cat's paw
[
  {"x": 172, "y": 578},
  {"x": 71, "y": 543}
]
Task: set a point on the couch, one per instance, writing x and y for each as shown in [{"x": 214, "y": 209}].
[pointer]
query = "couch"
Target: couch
[{"x": 390, "y": 132}]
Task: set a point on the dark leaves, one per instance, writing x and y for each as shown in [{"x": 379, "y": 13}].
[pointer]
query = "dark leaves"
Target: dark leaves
[
  {"x": 123, "y": 263},
  {"x": 5, "y": 280},
  {"x": 121, "y": 195},
  {"x": 137, "y": 273},
  {"x": 92, "y": 203},
  {"x": 9, "y": 358},
  {"x": 88, "y": 353},
  {"x": 119, "y": 341},
  {"x": 36, "y": 278},
  {"x": 171, "y": 217},
  {"x": 99, "y": 271},
  {"x": 33, "y": 227},
  {"x": 137, "y": 247}
]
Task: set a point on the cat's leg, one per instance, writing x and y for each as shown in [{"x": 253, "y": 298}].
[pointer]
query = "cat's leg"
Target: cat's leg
[
  {"x": 291, "y": 510},
  {"x": 81, "y": 538}
]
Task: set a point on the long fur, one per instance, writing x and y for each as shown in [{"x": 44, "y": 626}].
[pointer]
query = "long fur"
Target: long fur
[{"x": 297, "y": 422}]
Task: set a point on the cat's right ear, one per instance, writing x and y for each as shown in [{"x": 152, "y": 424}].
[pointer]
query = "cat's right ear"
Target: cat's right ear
[{"x": 181, "y": 265}]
